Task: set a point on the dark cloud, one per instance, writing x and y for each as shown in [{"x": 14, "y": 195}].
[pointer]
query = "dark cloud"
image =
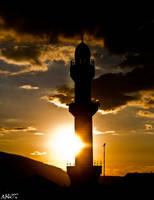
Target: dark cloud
[
  {"x": 117, "y": 90},
  {"x": 32, "y": 57},
  {"x": 64, "y": 94},
  {"x": 129, "y": 34},
  {"x": 22, "y": 53},
  {"x": 121, "y": 31},
  {"x": 17, "y": 59},
  {"x": 16, "y": 129},
  {"x": 46, "y": 19}
]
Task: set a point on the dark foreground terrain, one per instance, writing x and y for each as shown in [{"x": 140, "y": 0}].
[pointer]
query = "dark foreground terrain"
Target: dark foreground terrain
[{"x": 23, "y": 178}]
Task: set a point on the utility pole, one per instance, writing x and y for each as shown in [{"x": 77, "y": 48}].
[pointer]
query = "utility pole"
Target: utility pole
[{"x": 104, "y": 158}]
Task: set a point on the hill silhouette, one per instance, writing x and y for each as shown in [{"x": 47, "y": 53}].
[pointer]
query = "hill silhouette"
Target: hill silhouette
[
  {"x": 14, "y": 167},
  {"x": 30, "y": 179}
]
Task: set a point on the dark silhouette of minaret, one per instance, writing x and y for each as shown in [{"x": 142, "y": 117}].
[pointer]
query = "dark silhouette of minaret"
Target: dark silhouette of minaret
[{"x": 82, "y": 71}]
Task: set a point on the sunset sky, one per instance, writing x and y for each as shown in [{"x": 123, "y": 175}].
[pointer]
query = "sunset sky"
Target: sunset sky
[{"x": 36, "y": 47}]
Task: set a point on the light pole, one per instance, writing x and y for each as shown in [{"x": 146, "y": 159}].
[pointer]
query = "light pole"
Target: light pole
[{"x": 104, "y": 157}]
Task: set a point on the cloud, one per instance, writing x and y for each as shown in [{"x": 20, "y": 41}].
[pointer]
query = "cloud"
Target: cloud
[
  {"x": 21, "y": 54},
  {"x": 96, "y": 132},
  {"x": 34, "y": 57},
  {"x": 24, "y": 33},
  {"x": 43, "y": 25},
  {"x": 150, "y": 133},
  {"x": 62, "y": 97},
  {"x": 148, "y": 127},
  {"x": 107, "y": 112},
  {"x": 17, "y": 129},
  {"x": 11, "y": 34},
  {"x": 120, "y": 34},
  {"x": 34, "y": 49},
  {"x": 5, "y": 72},
  {"x": 131, "y": 35},
  {"x": 133, "y": 131},
  {"x": 10, "y": 120},
  {"x": 29, "y": 87},
  {"x": 38, "y": 133},
  {"x": 26, "y": 57},
  {"x": 145, "y": 113},
  {"x": 88, "y": 37},
  {"x": 116, "y": 91},
  {"x": 126, "y": 34},
  {"x": 37, "y": 153},
  {"x": 56, "y": 101},
  {"x": 34, "y": 40},
  {"x": 57, "y": 52}
]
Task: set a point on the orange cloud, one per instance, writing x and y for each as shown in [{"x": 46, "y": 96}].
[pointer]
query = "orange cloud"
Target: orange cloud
[
  {"x": 38, "y": 133},
  {"x": 29, "y": 87},
  {"x": 16, "y": 129},
  {"x": 76, "y": 39},
  {"x": 37, "y": 153},
  {"x": 57, "y": 52},
  {"x": 9, "y": 34},
  {"x": 30, "y": 51},
  {"x": 148, "y": 127},
  {"x": 96, "y": 132},
  {"x": 34, "y": 57},
  {"x": 145, "y": 113}
]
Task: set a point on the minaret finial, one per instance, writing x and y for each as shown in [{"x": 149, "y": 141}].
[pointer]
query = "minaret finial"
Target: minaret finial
[{"x": 82, "y": 36}]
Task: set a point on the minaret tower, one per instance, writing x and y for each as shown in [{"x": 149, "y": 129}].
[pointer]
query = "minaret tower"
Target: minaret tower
[{"x": 82, "y": 72}]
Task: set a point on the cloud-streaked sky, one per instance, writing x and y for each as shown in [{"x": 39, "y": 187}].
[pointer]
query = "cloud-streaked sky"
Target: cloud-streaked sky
[{"x": 36, "y": 46}]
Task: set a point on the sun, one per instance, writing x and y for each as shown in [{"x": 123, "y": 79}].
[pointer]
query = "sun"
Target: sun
[{"x": 65, "y": 144}]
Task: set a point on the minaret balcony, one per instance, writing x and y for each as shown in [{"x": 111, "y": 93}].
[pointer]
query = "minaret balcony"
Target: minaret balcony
[
  {"x": 92, "y": 62},
  {"x": 89, "y": 109}
]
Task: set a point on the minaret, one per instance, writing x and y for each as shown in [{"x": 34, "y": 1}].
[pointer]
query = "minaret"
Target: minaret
[{"x": 82, "y": 72}]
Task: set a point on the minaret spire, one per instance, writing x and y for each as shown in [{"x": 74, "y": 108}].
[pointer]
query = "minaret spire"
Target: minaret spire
[{"x": 82, "y": 36}]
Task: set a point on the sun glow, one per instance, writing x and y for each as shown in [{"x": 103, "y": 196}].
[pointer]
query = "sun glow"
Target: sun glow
[{"x": 65, "y": 144}]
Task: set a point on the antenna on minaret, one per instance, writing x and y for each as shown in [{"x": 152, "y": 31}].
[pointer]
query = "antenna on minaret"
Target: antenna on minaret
[{"x": 82, "y": 36}]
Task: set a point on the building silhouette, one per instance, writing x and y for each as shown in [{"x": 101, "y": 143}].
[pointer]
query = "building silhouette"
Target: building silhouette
[{"x": 82, "y": 71}]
